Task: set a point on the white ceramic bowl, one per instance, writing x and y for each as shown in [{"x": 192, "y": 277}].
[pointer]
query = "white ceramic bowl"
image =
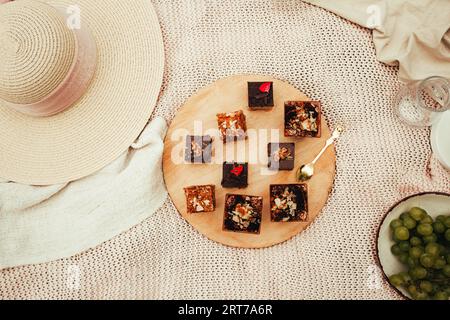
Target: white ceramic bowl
[
  {"x": 440, "y": 139},
  {"x": 434, "y": 203}
]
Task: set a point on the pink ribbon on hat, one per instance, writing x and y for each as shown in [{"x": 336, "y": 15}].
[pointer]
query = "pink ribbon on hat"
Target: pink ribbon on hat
[{"x": 73, "y": 86}]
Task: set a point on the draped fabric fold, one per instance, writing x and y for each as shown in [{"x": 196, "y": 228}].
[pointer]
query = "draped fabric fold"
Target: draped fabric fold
[
  {"x": 41, "y": 224},
  {"x": 412, "y": 34}
]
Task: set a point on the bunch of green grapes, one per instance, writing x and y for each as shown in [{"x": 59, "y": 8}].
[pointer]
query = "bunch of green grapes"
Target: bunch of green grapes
[{"x": 423, "y": 246}]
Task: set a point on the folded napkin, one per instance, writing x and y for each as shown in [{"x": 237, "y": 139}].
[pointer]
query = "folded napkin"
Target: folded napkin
[
  {"x": 41, "y": 224},
  {"x": 411, "y": 33}
]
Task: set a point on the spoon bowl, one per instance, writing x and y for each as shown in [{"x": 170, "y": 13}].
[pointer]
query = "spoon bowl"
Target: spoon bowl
[{"x": 306, "y": 171}]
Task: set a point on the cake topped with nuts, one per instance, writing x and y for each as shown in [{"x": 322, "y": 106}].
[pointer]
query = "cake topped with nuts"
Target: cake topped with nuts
[
  {"x": 281, "y": 156},
  {"x": 302, "y": 119},
  {"x": 200, "y": 198},
  {"x": 243, "y": 213},
  {"x": 289, "y": 202},
  {"x": 198, "y": 149},
  {"x": 232, "y": 126}
]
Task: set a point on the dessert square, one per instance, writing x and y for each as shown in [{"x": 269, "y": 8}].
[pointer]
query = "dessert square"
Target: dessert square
[
  {"x": 243, "y": 213},
  {"x": 289, "y": 202},
  {"x": 200, "y": 198},
  {"x": 198, "y": 149},
  {"x": 232, "y": 126},
  {"x": 281, "y": 156},
  {"x": 235, "y": 175},
  {"x": 302, "y": 119},
  {"x": 260, "y": 95}
]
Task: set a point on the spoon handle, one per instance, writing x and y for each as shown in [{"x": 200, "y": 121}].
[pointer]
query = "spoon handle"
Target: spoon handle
[{"x": 329, "y": 142}]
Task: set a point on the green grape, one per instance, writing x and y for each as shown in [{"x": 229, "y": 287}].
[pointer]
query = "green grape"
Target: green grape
[
  {"x": 412, "y": 262},
  {"x": 406, "y": 277},
  {"x": 424, "y": 229},
  {"x": 409, "y": 223},
  {"x": 427, "y": 260},
  {"x": 447, "y": 235},
  {"x": 426, "y": 286},
  {"x": 439, "y": 263},
  {"x": 403, "y": 257},
  {"x": 404, "y": 246},
  {"x": 441, "y": 295},
  {"x": 433, "y": 249},
  {"x": 401, "y": 233},
  {"x": 423, "y": 245},
  {"x": 405, "y": 215},
  {"x": 446, "y": 270},
  {"x": 431, "y": 238},
  {"x": 417, "y": 213},
  {"x": 447, "y": 221},
  {"x": 412, "y": 290},
  {"x": 415, "y": 241},
  {"x": 439, "y": 227},
  {"x": 396, "y": 223},
  {"x": 395, "y": 249},
  {"x": 416, "y": 252},
  {"x": 418, "y": 273},
  {"x": 436, "y": 287},
  {"x": 394, "y": 237},
  {"x": 396, "y": 280},
  {"x": 427, "y": 219},
  {"x": 420, "y": 295}
]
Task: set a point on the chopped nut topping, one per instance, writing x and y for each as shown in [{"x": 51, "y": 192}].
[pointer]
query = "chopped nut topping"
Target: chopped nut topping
[
  {"x": 288, "y": 203},
  {"x": 200, "y": 198},
  {"x": 282, "y": 154},
  {"x": 302, "y": 118},
  {"x": 232, "y": 125},
  {"x": 196, "y": 149},
  {"x": 243, "y": 214}
]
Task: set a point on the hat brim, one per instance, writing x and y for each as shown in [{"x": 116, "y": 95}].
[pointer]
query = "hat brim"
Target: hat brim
[{"x": 109, "y": 117}]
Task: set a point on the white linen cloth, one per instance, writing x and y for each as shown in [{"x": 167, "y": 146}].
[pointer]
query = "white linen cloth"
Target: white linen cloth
[
  {"x": 415, "y": 35},
  {"x": 379, "y": 161},
  {"x": 41, "y": 224}
]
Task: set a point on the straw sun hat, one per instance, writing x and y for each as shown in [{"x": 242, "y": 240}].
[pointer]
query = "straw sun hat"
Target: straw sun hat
[{"x": 79, "y": 80}]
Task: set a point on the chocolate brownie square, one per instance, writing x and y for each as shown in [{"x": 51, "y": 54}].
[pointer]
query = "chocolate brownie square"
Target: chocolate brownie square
[
  {"x": 198, "y": 149},
  {"x": 200, "y": 198},
  {"x": 232, "y": 126},
  {"x": 281, "y": 156},
  {"x": 289, "y": 202},
  {"x": 243, "y": 213},
  {"x": 260, "y": 95},
  {"x": 302, "y": 119},
  {"x": 235, "y": 175}
]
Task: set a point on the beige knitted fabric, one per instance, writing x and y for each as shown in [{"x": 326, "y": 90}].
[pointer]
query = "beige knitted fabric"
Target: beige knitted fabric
[{"x": 379, "y": 162}]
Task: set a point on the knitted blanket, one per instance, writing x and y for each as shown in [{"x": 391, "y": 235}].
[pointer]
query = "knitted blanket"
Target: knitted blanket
[{"x": 379, "y": 161}]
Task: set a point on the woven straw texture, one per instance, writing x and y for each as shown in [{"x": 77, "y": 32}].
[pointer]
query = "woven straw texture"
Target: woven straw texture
[
  {"x": 31, "y": 74},
  {"x": 102, "y": 124},
  {"x": 379, "y": 161}
]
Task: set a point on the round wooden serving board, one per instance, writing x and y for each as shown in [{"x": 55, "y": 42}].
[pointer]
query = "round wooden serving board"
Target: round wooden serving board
[{"x": 198, "y": 117}]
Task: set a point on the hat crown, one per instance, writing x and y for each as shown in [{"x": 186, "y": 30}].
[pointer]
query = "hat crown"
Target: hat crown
[{"x": 37, "y": 50}]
